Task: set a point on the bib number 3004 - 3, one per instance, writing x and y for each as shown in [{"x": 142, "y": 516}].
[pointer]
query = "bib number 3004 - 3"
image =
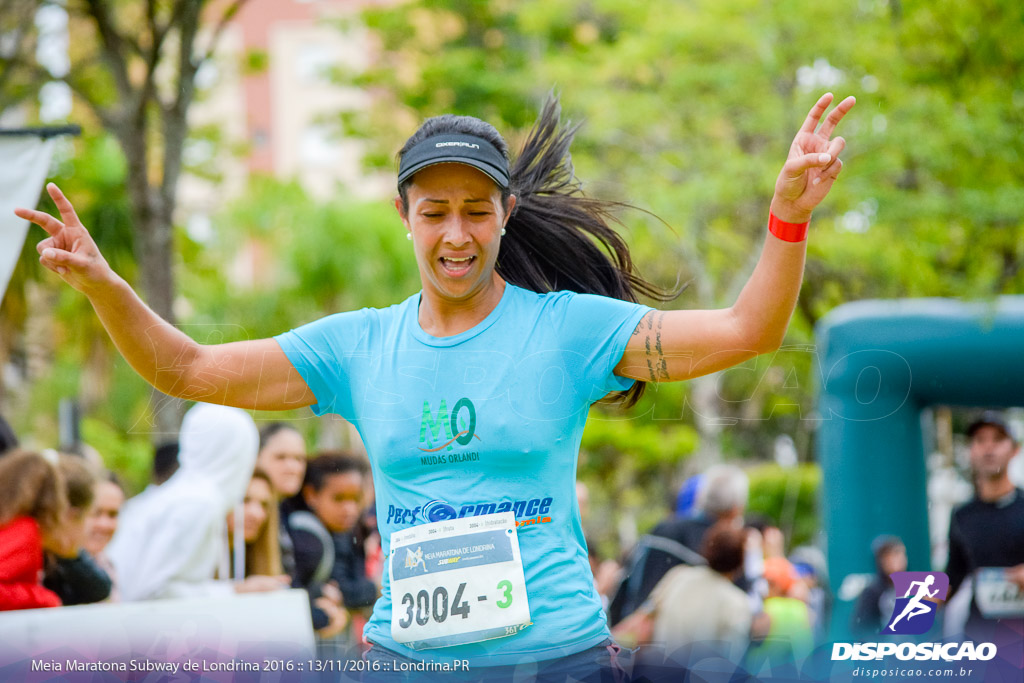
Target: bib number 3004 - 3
[{"x": 457, "y": 581}]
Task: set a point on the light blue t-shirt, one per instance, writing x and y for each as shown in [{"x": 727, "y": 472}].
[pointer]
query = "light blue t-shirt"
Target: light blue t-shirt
[{"x": 489, "y": 420}]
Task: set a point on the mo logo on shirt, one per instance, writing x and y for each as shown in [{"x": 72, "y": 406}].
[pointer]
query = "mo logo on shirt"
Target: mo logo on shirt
[
  {"x": 458, "y": 427},
  {"x": 914, "y": 613}
]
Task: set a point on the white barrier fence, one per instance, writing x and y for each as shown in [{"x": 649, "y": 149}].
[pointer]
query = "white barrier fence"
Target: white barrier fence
[{"x": 243, "y": 627}]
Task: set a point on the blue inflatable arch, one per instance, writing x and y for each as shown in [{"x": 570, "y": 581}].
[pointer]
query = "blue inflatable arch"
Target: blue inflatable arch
[{"x": 883, "y": 362}]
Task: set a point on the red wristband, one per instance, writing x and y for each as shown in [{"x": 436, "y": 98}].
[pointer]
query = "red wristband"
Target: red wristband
[{"x": 787, "y": 232}]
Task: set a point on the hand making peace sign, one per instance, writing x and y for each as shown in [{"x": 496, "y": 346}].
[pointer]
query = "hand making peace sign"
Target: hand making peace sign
[
  {"x": 69, "y": 250},
  {"x": 813, "y": 163}
]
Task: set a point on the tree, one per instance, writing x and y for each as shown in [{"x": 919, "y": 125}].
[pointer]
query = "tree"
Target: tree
[
  {"x": 134, "y": 66},
  {"x": 689, "y": 108}
]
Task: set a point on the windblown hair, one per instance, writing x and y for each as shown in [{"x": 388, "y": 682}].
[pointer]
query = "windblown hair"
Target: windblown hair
[
  {"x": 32, "y": 486},
  {"x": 557, "y": 238}
]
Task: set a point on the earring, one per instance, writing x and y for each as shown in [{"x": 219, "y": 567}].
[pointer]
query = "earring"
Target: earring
[
  {"x": 503, "y": 231},
  {"x": 408, "y": 236}
]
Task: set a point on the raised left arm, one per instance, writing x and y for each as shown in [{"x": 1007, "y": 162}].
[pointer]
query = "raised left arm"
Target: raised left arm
[{"x": 676, "y": 345}]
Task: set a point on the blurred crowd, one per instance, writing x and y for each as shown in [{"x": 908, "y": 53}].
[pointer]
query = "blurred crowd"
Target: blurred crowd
[
  {"x": 712, "y": 577},
  {"x": 229, "y": 509},
  {"x": 232, "y": 509},
  {"x": 713, "y": 580}
]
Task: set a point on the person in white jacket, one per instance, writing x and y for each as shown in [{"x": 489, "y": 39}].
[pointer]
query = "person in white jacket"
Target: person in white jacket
[{"x": 174, "y": 543}]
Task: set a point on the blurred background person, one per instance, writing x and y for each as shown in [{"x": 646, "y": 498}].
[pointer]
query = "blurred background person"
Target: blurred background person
[
  {"x": 606, "y": 573},
  {"x": 260, "y": 529},
  {"x": 172, "y": 544},
  {"x": 753, "y": 563},
  {"x": 699, "y": 604},
  {"x": 784, "y": 627},
  {"x": 282, "y": 455},
  {"x": 986, "y": 539},
  {"x": 70, "y": 571},
  {"x": 349, "y": 573},
  {"x": 327, "y": 510},
  {"x": 812, "y": 569},
  {"x": 370, "y": 535},
  {"x": 33, "y": 505},
  {"x": 874, "y": 605},
  {"x": 368, "y": 538},
  {"x": 583, "y": 499},
  {"x": 689, "y": 496},
  {"x": 101, "y": 524},
  {"x": 165, "y": 464},
  {"x": 722, "y": 498},
  {"x": 330, "y": 562}
]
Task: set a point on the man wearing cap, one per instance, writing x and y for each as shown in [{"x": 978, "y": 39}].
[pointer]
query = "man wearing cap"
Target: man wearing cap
[{"x": 986, "y": 537}]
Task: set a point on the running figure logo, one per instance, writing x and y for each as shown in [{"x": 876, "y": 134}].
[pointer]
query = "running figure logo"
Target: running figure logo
[
  {"x": 414, "y": 559},
  {"x": 914, "y": 613}
]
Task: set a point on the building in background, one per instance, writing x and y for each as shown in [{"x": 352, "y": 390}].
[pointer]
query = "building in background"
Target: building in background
[{"x": 269, "y": 105}]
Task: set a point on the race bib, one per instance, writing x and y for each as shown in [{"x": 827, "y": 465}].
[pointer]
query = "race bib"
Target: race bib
[
  {"x": 457, "y": 581},
  {"x": 996, "y": 596}
]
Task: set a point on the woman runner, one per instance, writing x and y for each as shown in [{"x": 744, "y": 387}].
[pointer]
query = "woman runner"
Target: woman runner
[{"x": 471, "y": 396}]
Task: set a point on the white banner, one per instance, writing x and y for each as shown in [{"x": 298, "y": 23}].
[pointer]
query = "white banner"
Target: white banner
[{"x": 24, "y": 161}]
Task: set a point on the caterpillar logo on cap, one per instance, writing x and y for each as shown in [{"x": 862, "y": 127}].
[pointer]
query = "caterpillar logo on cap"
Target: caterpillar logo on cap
[{"x": 456, "y": 143}]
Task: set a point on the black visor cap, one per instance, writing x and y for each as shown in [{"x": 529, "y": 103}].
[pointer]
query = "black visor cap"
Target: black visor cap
[{"x": 455, "y": 149}]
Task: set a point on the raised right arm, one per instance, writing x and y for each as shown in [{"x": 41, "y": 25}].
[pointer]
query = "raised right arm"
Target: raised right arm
[{"x": 248, "y": 374}]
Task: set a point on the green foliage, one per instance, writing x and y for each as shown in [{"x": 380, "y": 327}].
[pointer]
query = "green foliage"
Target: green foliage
[
  {"x": 91, "y": 169},
  {"x": 308, "y": 260},
  {"x": 630, "y": 466},
  {"x": 130, "y": 457},
  {"x": 95, "y": 177},
  {"x": 788, "y": 497},
  {"x": 643, "y": 447},
  {"x": 689, "y": 108},
  {"x": 255, "y": 62}
]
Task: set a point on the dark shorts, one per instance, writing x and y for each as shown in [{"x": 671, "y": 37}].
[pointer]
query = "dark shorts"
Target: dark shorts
[{"x": 603, "y": 663}]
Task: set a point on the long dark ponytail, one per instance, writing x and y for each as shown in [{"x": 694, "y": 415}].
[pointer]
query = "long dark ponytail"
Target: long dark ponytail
[{"x": 557, "y": 238}]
